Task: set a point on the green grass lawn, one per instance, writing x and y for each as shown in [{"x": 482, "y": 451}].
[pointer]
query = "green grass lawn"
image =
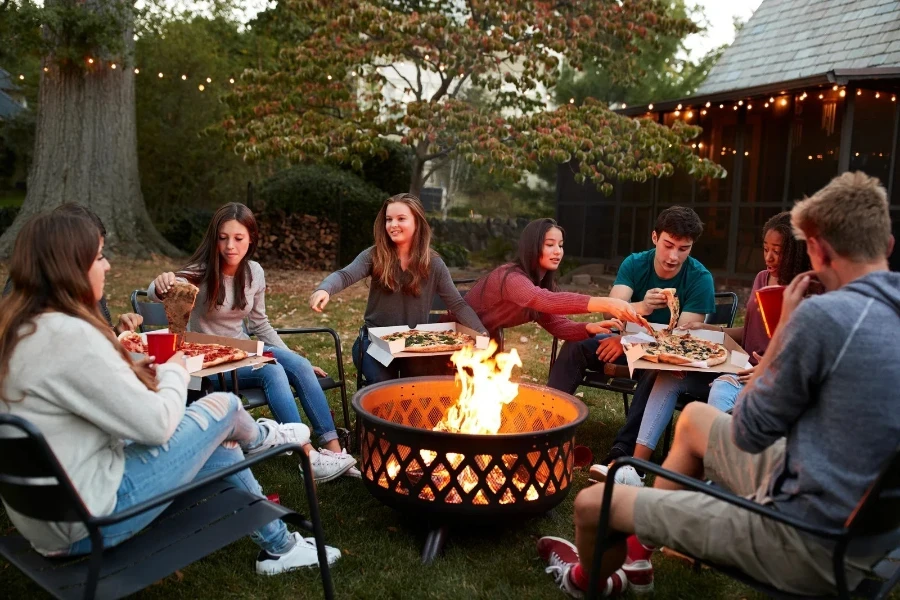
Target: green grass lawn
[
  {"x": 380, "y": 546},
  {"x": 11, "y": 198}
]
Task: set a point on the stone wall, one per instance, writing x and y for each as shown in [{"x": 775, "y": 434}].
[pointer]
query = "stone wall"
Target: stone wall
[{"x": 475, "y": 235}]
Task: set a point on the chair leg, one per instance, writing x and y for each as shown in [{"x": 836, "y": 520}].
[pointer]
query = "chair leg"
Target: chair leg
[
  {"x": 96, "y": 561},
  {"x": 318, "y": 532}
]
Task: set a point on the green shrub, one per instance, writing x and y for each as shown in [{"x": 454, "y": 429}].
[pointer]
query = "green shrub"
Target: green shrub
[
  {"x": 499, "y": 250},
  {"x": 185, "y": 230},
  {"x": 454, "y": 255},
  {"x": 330, "y": 192},
  {"x": 390, "y": 171}
]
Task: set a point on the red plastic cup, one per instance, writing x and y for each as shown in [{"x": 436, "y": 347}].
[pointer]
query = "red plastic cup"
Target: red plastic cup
[
  {"x": 161, "y": 345},
  {"x": 770, "y": 300},
  {"x": 583, "y": 456},
  {"x": 273, "y": 498}
]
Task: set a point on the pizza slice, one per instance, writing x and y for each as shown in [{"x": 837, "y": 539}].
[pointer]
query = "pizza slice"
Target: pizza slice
[
  {"x": 133, "y": 342},
  {"x": 213, "y": 354},
  {"x": 671, "y": 295},
  {"x": 179, "y": 303}
]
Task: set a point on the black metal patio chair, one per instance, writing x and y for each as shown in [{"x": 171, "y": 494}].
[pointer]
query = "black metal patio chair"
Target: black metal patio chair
[
  {"x": 154, "y": 315},
  {"x": 203, "y": 516},
  {"x": 615, "y": 378},
  {"x": 872, "y": 529}
]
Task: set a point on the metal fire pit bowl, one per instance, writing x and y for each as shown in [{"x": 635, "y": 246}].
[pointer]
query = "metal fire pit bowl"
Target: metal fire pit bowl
[{"x": 525, "y": 469}]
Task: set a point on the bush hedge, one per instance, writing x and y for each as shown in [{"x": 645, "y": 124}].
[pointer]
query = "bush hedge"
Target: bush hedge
[
  {"x": 391, "y": 173},
  {"x": 454, "y": 255},
  {"x": 329, "y": 192}
]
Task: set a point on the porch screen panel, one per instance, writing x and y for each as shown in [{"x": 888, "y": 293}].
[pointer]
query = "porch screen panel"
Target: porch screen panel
[
  {"x": 571, "y": 218},
  {"x": 599, "y": 231},
  {"x": 712, "y": 247},
  {"x": 873, "y": 134},
  {"x": 750, "y": 238},
  {"x": 816, "y": 136}
]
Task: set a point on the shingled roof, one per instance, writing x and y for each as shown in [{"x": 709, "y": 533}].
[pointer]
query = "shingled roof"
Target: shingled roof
[{"x": 791, "y": 39}]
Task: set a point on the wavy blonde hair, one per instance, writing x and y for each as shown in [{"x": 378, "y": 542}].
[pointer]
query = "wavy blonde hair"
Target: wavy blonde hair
[
  {"x": 49, "y": 271},
  {"x": 386, "y": 270}
]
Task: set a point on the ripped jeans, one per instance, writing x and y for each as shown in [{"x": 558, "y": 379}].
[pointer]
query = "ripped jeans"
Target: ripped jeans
[
  {"x": 210, "y": 437},
  {"x": 721, "y": 393}
]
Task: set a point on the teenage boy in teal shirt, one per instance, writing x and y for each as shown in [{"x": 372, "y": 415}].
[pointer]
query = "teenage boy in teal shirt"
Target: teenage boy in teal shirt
[{"x": 643, "y": 276}]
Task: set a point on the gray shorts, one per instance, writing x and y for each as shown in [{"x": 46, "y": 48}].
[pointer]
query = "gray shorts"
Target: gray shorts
[{"x": 727, "y": 535}]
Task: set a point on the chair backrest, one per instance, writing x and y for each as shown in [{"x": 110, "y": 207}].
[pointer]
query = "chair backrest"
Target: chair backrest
[
  {"x": 32, "y": 482},
  {"x": 439, "y": 308},
  {"x": 879, "y": 510},
  {"x": 153, "y": 312},
  {"x": 726, "y": 309}
]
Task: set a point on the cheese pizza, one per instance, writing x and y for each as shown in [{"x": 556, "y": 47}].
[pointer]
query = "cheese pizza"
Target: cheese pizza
[{"x": 416, "y": 340}]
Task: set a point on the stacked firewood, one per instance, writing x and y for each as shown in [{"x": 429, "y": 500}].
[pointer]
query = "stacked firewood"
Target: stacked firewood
[{"x": 295, "y": 241}]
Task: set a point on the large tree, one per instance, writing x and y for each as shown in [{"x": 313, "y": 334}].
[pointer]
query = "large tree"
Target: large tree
[
  {"x": 376, "y": 69},
  {"x": 86, "y": 146}
]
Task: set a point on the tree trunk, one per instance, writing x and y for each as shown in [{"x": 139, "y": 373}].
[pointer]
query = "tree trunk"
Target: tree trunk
[
  {"x": 86, "y": 152},
  {"x": 417, "y": 182}
]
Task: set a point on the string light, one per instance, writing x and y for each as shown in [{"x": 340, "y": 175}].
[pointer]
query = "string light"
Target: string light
[
  {"x": 624, "y": 105},
  {"x": 834, "y": 88},
  {"x": 329, "y": 77},
  {"x": 766, "y": 105},
  {"x": 690, "y": 114},
  {"x": 771, "y": 99},
  {"x": 703, "y": 112},
  {"x": 649, "y": 107},
  {"x": 735, "y": 107},
  {"x": 707, "y": 105},
  {"x": 859, "y": 92},
  {"x": 160, "y": 75},
  {"x": 137, "y": 71},
  {"x": 700, "y": 145},
  {"x": 877, "y": 95},
  {"x": 22, "y": 77},
  {"x": 113, "y": 66},
  {"x": 200, "y": 87},
  {"x": 571, "y": 100},
  {"x": 677, "y": 113},
  {"x": 784, "y": 101},
  {"x": 231, "y": 80},
  {"x": 842, "y": 93},
  {"x": 46, "y": 69},
  {"x": 679, "y": 107},
  {"x": 184, "y": 77},
  {"x": 208, "y": 80},
  {"x": 749, "y": 107},
  {"x": 90, "y": 61},
  {"x": 721, "y": 106},
  {"x": 821, "y": 96},
  {"x": 740, "y": 103}
]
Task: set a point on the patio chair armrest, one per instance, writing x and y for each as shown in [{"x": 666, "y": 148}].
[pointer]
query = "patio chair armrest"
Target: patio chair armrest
[
  {"x": 725, "y": 496},
  {"x": 171, "y": 495},
  {"x": 301, "y": 330}
]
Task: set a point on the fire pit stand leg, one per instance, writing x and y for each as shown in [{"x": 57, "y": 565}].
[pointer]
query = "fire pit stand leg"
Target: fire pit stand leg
[{"x": 434, "y": 543}]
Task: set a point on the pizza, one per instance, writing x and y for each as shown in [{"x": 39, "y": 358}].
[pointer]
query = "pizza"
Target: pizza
[
  {"x": 417, "y": 340},
  {"x": 671, "y": 295},
  {"x": 684, "y": 349},
  {"x": 213, "y": 354},
  {"x": 179, "y": 302}
]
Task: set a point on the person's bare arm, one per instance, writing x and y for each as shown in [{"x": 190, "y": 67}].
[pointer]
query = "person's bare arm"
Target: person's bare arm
[{"x": 690, "y": 317}]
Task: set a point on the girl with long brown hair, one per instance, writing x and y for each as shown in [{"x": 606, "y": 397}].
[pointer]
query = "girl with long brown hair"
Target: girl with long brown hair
[
  {"x": 232, "y": 289},
  {"x": 90, "y": 398},
  {"x": 525, "y": 290},
  {"x": 406, "y": 274}
]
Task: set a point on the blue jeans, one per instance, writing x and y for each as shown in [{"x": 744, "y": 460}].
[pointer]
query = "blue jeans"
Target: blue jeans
[
  {"x": 276, "y": 379},
  {"x": 720, "y": 393},
  {"x": 209, "y": 437},
  {"x": 372, "y": 370},
  {"x": 573, "y": 360}
]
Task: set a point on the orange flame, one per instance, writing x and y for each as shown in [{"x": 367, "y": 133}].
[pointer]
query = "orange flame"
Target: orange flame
[{"x": 484, "y": 392}]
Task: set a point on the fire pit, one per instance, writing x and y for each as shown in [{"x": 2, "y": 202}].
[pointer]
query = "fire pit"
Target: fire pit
[{"x": 523, "y": 469}]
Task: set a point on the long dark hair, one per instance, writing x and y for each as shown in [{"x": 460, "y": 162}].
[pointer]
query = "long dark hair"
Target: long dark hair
[
  {"x": 386, "y": 262},
  {"x": 794, "y": 259},
  {"x": 205, "y": 266},
  {"x": 49, "y": 272}
]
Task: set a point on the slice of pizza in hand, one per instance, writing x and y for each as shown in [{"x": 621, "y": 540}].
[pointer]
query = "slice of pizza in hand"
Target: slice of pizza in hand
[
  {"x": 133, "y": 342},
  {"x": 674, "y": 309},
  {"x": 179, "y": 303}
]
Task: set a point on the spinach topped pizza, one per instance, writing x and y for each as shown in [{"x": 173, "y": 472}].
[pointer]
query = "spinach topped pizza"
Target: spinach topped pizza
[
  {"x": 684, "y": 349},
  {"x": 417, "y": 340}
]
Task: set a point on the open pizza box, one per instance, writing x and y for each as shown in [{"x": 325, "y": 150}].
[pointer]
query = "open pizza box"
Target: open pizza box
[
  {"x": 635, "y": 338},
  {"x": 194, "y": 364},
  {"x": 385, "y": 352}
]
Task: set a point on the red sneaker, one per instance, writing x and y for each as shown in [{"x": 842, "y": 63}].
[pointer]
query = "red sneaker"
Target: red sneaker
[
  {"x": 637, "y": 567},
  {"x": 561, "y": 557}
]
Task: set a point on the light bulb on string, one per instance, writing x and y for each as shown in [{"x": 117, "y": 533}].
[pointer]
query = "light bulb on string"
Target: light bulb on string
[
  {"x": 842, "y": 93},
  {"x": 772, "y": 99},
  {"x": 677, "y": 113},
  {"x": 184, "y": 77},
  {"x": 160, "y": 75},
  {"x": 740, "y": 103},
  {"x": 721, "y": 106},
  {"x": 877, "y": 95},
  {"x": 208, "y": 80},
  {"x": 201, "y": 87},
  {"x": 650, "y": 107},
  {"x": 113, "y": 66},
  {"x": 678, "y": 107},
  {"x": 708, "y": 104},
  {"x": 22, "y": 77},
  {"x": 689, "y": 114},
  {"x": 893, "y": 98},
  {"x": 231, "y": 80},
  {"x": 137, "y": 71},
  {"x": 834, "y": 88},
  {"x": 703, "y": 112},
  {"x": 46, "y": 69},
  {"x": 859, "y": 92},
  {"x": 766, "y": 105},
  {"x": 90, "y": 61},
  {"x": 821, "y": 96}
]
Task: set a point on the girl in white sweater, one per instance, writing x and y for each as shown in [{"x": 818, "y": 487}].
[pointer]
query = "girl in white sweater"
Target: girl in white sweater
[{"x": 91, "y": 398}]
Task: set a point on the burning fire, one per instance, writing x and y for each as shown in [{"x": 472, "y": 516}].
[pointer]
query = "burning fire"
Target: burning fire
[{"x": 484, "y": 392}]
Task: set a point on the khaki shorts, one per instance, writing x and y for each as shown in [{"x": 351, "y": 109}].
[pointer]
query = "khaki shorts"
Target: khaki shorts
[{"x": 727, "y": 535}]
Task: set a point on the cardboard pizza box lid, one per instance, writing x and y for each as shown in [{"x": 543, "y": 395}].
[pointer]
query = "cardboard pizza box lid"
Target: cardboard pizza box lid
[
  {"x": 385, "y": 352},
  {"x": 736, "y": 361}
]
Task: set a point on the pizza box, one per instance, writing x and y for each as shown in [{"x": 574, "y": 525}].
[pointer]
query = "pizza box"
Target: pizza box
[
  {"x": 194, "y": 364},
  {"x": 635, "y": 337},
  {"x": 385, "y": 352}
]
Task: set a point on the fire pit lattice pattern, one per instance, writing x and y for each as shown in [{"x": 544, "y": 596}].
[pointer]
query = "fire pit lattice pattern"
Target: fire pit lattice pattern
[{"x": 405, "y": 461}]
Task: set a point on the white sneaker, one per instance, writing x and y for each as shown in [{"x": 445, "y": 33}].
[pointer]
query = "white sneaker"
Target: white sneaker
[
  {"x": 624, "y": 476},
  {"x": 281, "y": 433},
  {"x": 328, "y": 465},
  {"x": 303, "y": 554},
  {"x": 352, "y": 471}
]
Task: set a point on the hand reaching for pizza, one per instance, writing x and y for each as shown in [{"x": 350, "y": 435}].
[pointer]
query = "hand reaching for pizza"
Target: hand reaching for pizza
[
  {"x": 610, "y": 349},
  {"x": 164, "y": 283},
  {"x": 128, "y": 322},
  {"x": 605, "y": 326},
  {"x": 318, "y": 300}
]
